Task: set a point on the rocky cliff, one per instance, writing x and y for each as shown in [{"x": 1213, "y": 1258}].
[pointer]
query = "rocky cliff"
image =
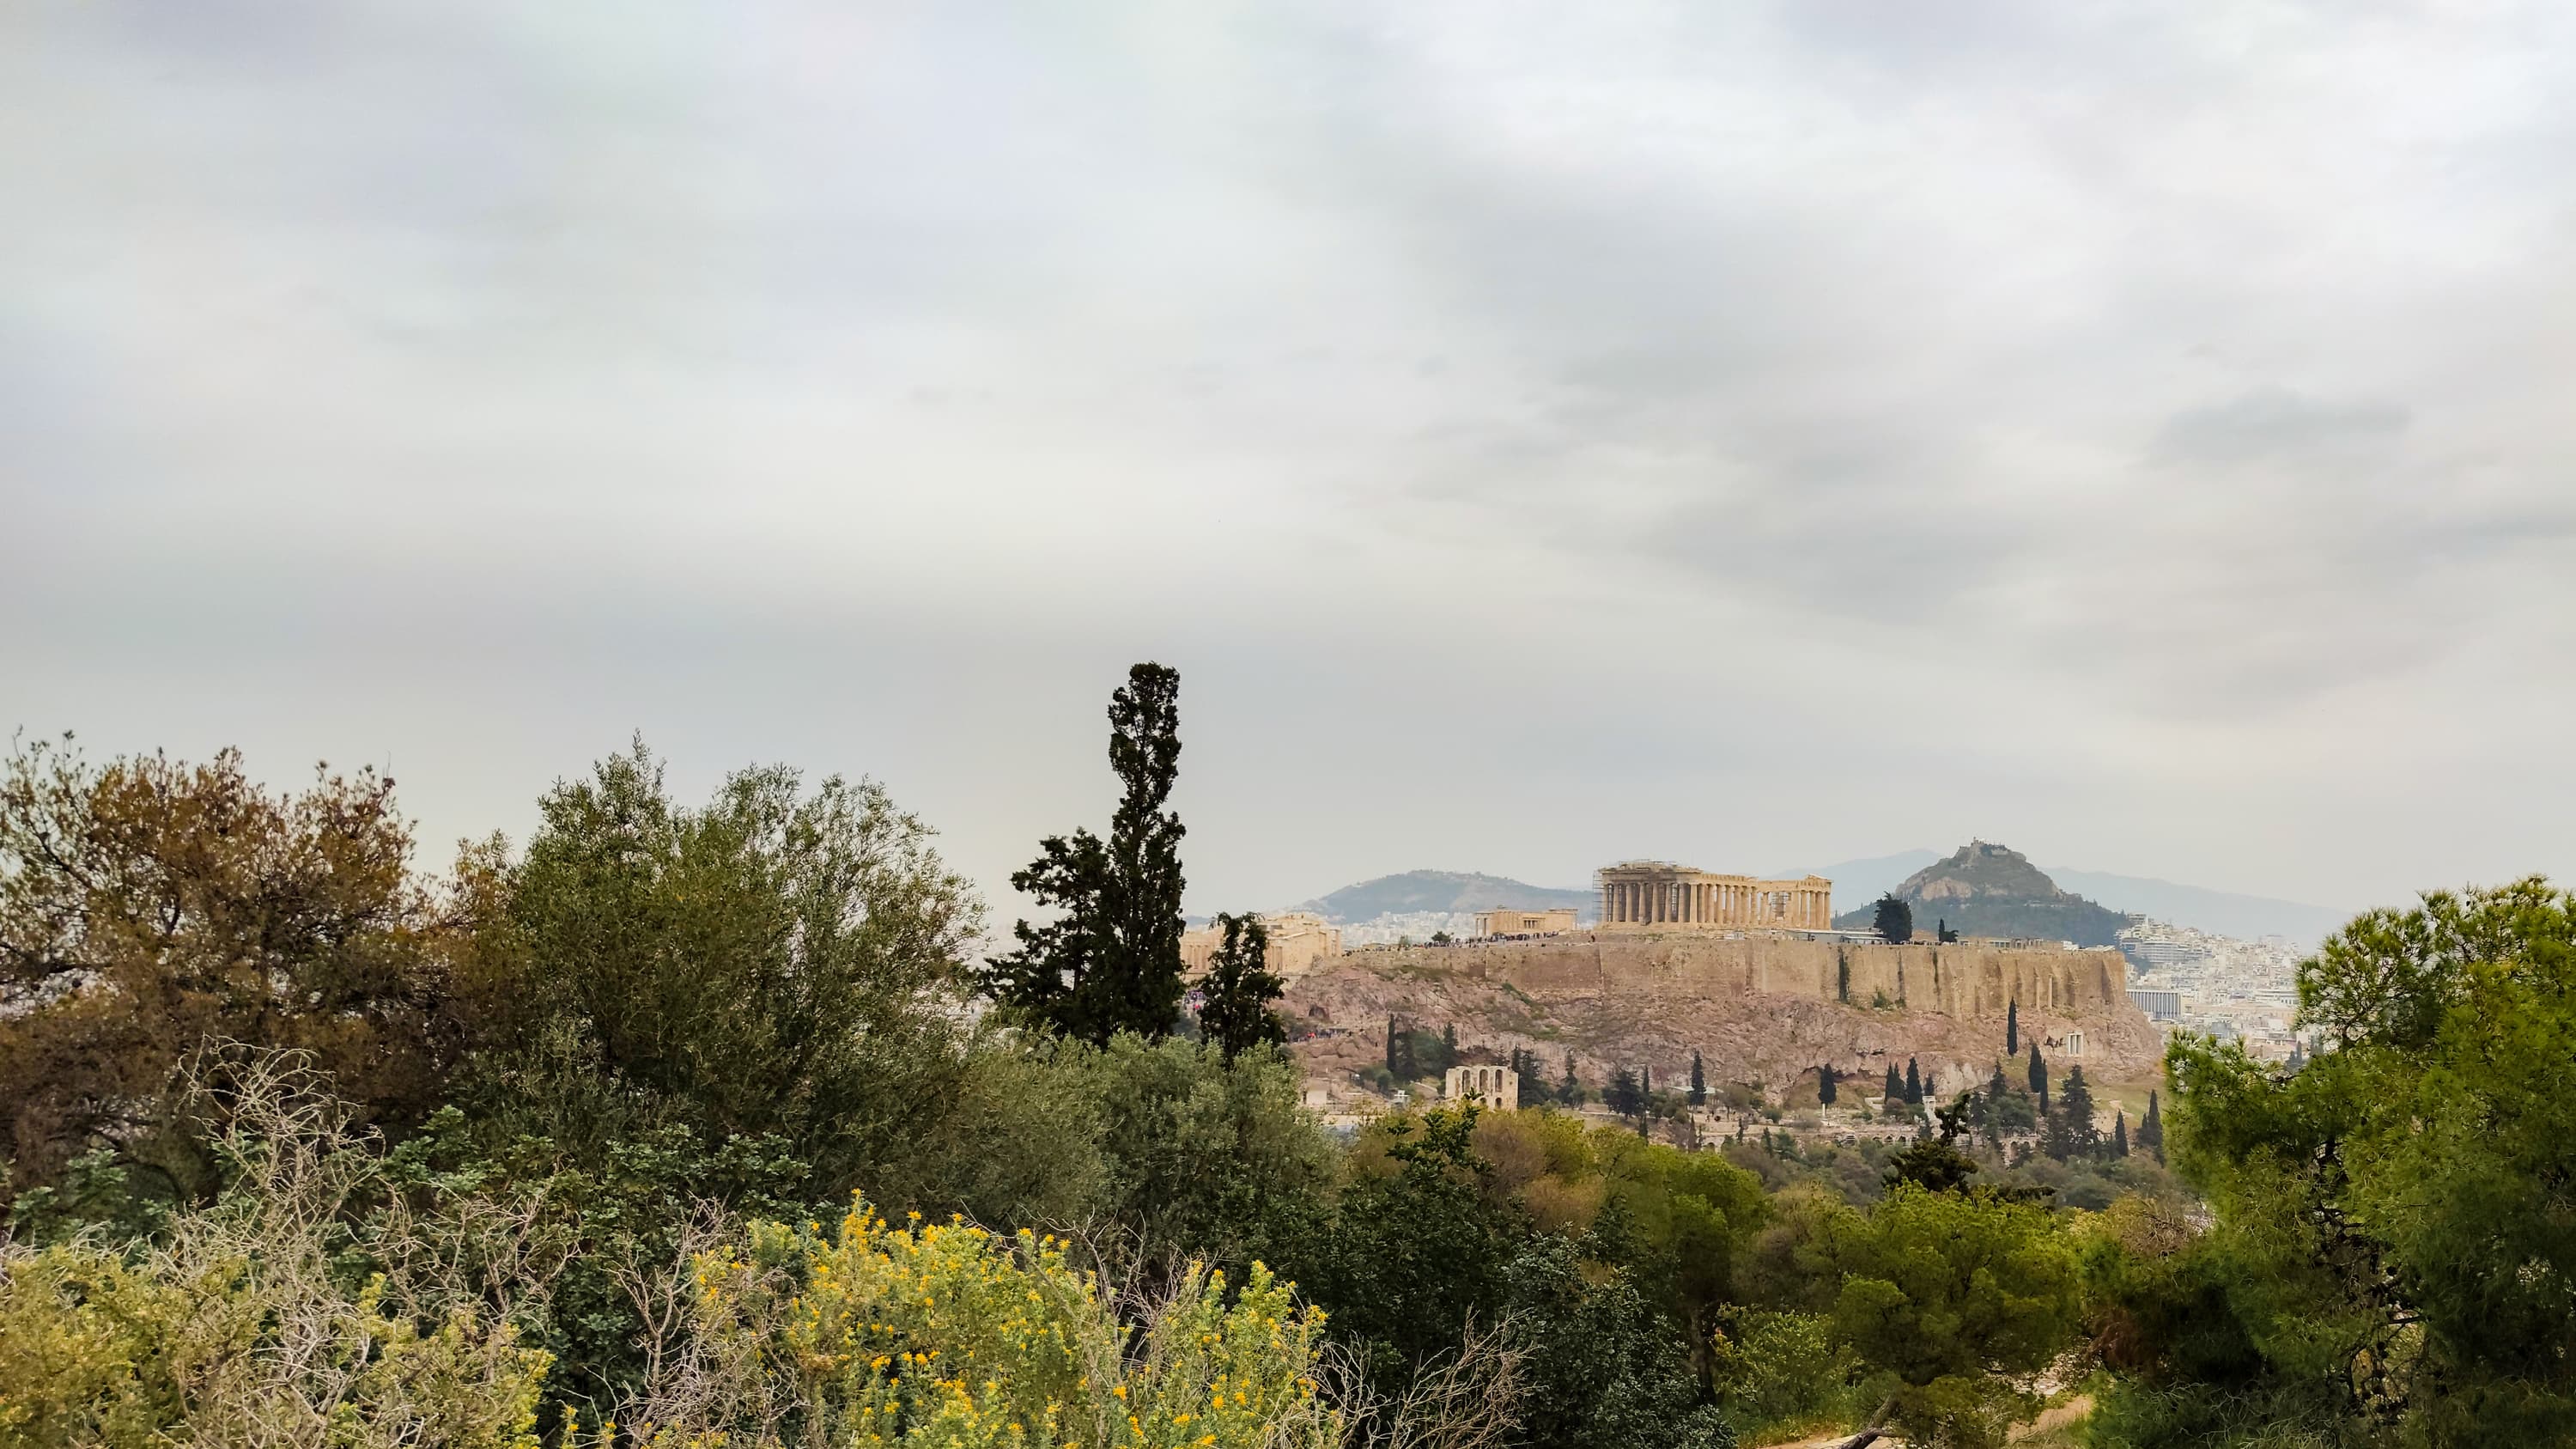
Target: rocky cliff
[{"x": 1756, "y": 1008}]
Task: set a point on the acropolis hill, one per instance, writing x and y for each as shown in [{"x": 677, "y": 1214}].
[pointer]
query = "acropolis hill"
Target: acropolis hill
[{"x": 1763, "y": 1005}]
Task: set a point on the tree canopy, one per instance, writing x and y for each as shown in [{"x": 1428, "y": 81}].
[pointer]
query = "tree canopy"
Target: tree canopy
[
  {"x": 1895, "y": 920},
  {"x": 1111, "y": 959}
]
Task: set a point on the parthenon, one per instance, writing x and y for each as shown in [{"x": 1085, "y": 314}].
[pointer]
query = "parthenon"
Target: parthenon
[{"x": 1644, "y": 895}]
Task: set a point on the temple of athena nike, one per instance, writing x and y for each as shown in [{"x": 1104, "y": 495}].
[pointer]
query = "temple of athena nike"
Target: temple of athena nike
[{"x": 1656, "y": 895}]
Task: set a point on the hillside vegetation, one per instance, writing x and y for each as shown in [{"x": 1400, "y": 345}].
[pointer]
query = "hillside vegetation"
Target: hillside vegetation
[
  {"x": 1983, "y": 889},
  {"x": 670, "y": 1127}
]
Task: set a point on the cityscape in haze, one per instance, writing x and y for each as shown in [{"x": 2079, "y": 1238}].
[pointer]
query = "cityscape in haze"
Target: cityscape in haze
[{"x": 1287, "y": 724}]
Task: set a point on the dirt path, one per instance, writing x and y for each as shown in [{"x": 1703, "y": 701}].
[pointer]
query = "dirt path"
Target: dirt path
[{"x": 2051, "y": 1419}]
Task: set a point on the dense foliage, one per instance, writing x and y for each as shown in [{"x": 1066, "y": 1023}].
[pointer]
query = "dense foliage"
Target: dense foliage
[
  {"x": 678, "y": 1126},
  {"x": 2393, "y": 1256}
]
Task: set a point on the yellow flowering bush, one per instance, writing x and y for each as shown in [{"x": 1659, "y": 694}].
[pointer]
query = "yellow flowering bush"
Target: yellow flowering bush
[
  {"x": 258, "y": 1320},
  {"x": 207, "y": 1342},
  {"x": 946, "y": 1336}
]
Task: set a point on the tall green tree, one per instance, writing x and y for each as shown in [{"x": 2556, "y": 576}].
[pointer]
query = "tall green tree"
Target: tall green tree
[
  {"x": 2394, "y": 1216},
  {"x": 2119, "y": 1133},
  {"x": 1894, "y": 921},
  {"x": 2070, "y": 1131},
  {"x": 1894, "y": 1090},
  {"x": 1569, "y": 1088},
  {"x": 2012, "y": 1029},
  {"x": 1419, "y": 1247},
  {"x": 779, "y": 961},
  {"x": 1235, "y": 1013},
  {"x": 1698, "y": 1082},
  {"x": 2038, "y": 1077},
  {"x": 1604, "y": 1370},
  {"x": 1913, "y": 1083},
  {"x": 1950, "y": 1300},
  {"x": 1111, "y": 960},
  {"x": 1825, "y": 1084},
  {"x": 2151, "y": 1128},
  {"x": 1626, "y": 1096}
]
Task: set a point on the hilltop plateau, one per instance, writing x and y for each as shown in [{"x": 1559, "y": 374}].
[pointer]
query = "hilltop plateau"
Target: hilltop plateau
[{"x": 1756, "y": 1008}]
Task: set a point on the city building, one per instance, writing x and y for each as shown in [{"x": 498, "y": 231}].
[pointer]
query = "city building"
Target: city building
[{"x": 2161, "y": 1005}]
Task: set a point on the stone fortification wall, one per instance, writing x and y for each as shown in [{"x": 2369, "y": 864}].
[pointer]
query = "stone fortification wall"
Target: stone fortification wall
[
  {"x": 1969, "y": 978},
  {"x": 1759, "y": 1006}
]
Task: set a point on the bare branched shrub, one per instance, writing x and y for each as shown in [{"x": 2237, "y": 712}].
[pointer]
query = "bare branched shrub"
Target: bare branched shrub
[
  {"x": 1468, "y": 1399},
  {"x": 311, "y": 1305}
]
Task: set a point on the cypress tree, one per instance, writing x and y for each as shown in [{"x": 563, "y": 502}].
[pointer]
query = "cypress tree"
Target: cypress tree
[
  {"x": 1239, "y": 988},
  {"x": 2119, "y": 1133},
  {"x": 2038, "y": 1077},
  {"x": 1895, "y": 1091},
  {"x": 1625, "y": 1095},
  {"x": 2070, "y": 1131},
  {"x": 1825, "y": 1084},
  {"x": 1699, "y": 1083},
  {"x": 1894, "y": 921},
  {"x": 2151, "y": 1128},
  {"x": 1569, "y": 1091},
  {"x": 1393, "y": 1047},
  {"x": 2012, "y": 1029},
  {"x": 1913, "y": 1083},
  {"x": 1111, "y": 960}
]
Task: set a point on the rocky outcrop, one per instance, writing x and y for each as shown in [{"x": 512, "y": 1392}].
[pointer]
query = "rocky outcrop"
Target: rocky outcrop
[
  {"x": 1985, "y": 889},
  {"x": 1756, "y": 1007}
]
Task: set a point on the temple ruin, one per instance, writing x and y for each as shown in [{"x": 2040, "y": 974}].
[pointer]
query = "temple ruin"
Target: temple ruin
[{"x": 1656, "y": 895}]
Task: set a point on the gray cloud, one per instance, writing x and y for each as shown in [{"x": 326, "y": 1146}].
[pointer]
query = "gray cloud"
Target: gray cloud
[
  {"x": 1777, "y": 432},
  {"x": 2274, "y": 423}
]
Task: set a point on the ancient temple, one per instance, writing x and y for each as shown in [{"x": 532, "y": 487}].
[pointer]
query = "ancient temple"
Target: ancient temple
[{"x": 1657, "y": 895}]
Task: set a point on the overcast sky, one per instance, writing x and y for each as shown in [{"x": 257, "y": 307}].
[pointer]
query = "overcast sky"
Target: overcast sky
[{"x": 1540, "y": 434}]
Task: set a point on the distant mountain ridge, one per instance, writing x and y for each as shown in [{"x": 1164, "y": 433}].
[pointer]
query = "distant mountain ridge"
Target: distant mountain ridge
[
  {"x": 1418, "y": 891},
  {"x": 2221, "y": 913},
  {"x": 1984, "y": 889},
  {"x": 1857, "y": 883}
]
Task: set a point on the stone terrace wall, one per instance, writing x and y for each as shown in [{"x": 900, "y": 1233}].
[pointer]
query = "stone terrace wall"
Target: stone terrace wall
[
  {"x": 1971, "y": 978},
  {"x": 1758, "y": 1004}
]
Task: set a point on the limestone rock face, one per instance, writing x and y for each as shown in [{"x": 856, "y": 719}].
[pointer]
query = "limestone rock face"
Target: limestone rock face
[{"x": 1756, "y": 1007}]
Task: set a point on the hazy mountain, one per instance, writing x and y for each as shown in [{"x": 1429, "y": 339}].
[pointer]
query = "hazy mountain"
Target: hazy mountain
[
  {"x": 2221, "y": 913},
  {"x": 1440, "y": 890},
  {"x": 2225, "y": 913},
  {"x": 1983, "y": 889},
  {"x": 1856, "y": 881}
]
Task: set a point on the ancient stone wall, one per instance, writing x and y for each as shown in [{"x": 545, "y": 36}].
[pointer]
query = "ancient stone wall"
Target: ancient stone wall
[
  {"x": 1758, "y": 1005},
  {"x": 1963, "y": 979}
]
